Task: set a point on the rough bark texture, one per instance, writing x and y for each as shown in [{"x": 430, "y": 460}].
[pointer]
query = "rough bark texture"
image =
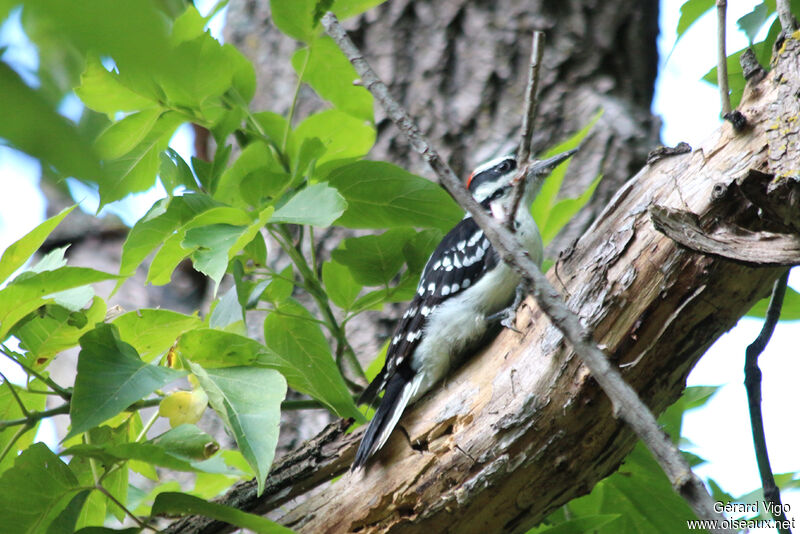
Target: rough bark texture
[
  {"x": 522, "y": 427},
  {"x": 460, "y": 67}
]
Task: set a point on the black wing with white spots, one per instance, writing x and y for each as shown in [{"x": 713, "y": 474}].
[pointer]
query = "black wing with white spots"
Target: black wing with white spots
[{"x": 461, "y": 258}]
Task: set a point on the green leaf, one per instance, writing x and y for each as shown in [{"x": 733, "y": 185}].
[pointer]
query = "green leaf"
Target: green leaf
[
  {"x": 280, "y": 287},
  {"x": 295, "y": 18},
  {"x": 249, "y": 400},
  {"x": 306, "y": 363},
  {"x": 27, "y": 293},
  {"x": 752, "y": 22},
  {"x": 344, "y": 9},
  {"x": 211, "y": 244},
  {"x": 175, "y": 172},
  {"x": 255, "y": 159},
  {"x": 299, "y": 350},
  {"x": 547, "y": 196},
  {"x": 107, "y": 530},
  {"x": 40, "y": 131},
  {"x": 151, "y": 332},
  {"x": 244, "y": 74},
  {"x": 215, "y": 245},
  {"x": 198, "y": 70},
  {"x": 64, "y": 523},
  {"x": 104, "y": 92},
  {"x": 339, "y": 284},
  {"x": 35, "y": 491},
  {"x": 187, "y": 441},
  {"x": 53, "y": 329},
  {"x": 692, "y": 10},
  {"x": 209, "y": 173},
  {"x": 374, "y": 260},
  {"x": 642, "y": 496},
  {"x": 275, "y": 126},
  {"x": 327, "y": 70},
  {"x": 789, "y": 312},
  {"x": 122, "y": 136},
  {"x": 216, "y": 348},
  {"x": 136, "y": 169},
  {"x": 110, "y": 378},
  {"x": 344, "y": 136},
  {"x": 184, "y": 448},
  {"x": 382, "y": 195},
  {"x": 172, "y": 252},
  {"x": 228, "y": 311},
  {"x": 580, "y": 525},
  {"x": 188, "y": 25},
  {"x": 163, "y": 219},
  {"x": 171, "y": 503},
  {"x": 9, "y": 409},
  {"x": 419, "y": 248},
  {"x": 21, "y": 250},
  {"x": 561, "y": 213},
  {"x": 693, "y": 397},
  {"x": 317, "y": 205}
]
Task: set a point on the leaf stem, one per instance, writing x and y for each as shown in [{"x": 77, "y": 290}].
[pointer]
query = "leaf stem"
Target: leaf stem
[
  {"x": 293, "y": 107},
  {"x": 22, "y": 407},
  {"x": 317, "y": 292},
  {"x": 10, "y": 445},
  {"x": 33, "y": 417},
  {"x": 139, "y": 522},
  {"x": 148, "y": 426},
  {"x": 62, "y": 392}
]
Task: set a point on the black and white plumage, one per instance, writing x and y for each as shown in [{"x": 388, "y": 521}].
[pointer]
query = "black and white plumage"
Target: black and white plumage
[{"x": 463, "y": 283}]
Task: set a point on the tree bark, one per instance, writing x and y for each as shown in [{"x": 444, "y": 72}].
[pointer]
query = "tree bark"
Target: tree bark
[
  {"x": 522, "y": 427},
  {"x": 460, "y": 68}
]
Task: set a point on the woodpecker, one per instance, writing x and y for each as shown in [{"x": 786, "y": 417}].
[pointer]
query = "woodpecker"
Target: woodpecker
[{"x": 464, "y": 288}]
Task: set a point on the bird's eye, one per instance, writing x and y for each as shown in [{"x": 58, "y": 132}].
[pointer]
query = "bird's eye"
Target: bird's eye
[{"x": 505, "y": 166}]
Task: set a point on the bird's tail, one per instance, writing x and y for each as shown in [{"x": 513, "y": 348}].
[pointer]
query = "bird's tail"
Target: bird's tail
[{"x": 399, "y": 391}]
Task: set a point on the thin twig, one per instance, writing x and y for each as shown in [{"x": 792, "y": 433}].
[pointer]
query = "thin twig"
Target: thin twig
[
  {"x": 625, "y": 400},
  {"x": 531, "y": 101},
  {"x": 32, "y": 417},
  {"x": 393, "y": 109},
  {"x": 531, "y": 97},
  {"x": 722, "y": 59},
  {"x": 788, "y": 22},
  {"x": 752, "y": 382}
]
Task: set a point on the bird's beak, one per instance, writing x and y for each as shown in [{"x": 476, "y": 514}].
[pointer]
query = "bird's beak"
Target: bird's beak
[{"x": 546, "y": 166}]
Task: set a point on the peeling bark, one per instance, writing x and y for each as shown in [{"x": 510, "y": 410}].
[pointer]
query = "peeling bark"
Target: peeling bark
[{"x": 522, "y": 427}]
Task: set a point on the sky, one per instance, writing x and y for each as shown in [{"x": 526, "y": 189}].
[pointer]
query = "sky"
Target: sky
[{"x": 720, "y": 431}]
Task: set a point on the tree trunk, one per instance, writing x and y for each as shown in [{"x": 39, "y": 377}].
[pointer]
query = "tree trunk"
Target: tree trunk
[{"x": 522, "y": 428}]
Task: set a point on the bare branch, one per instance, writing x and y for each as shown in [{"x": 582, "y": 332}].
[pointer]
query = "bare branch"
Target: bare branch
[
  {"x": 528, "y": 118},
  {"x": 788, "y": 22},
  {"x": 752, "y": 381},
  {"x": 722, "y": 59},
  {"x": 531, "y": 98},
  {"x": 393, "y": 109},
  {"x": 625, "y": 400}
]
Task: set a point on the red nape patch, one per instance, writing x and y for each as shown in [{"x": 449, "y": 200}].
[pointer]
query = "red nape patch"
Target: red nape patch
[{"x": 469, "y": 180}]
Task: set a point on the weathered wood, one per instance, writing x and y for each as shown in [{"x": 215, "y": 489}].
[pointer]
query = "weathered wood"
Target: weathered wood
[{"x": 522, "y": 428}]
